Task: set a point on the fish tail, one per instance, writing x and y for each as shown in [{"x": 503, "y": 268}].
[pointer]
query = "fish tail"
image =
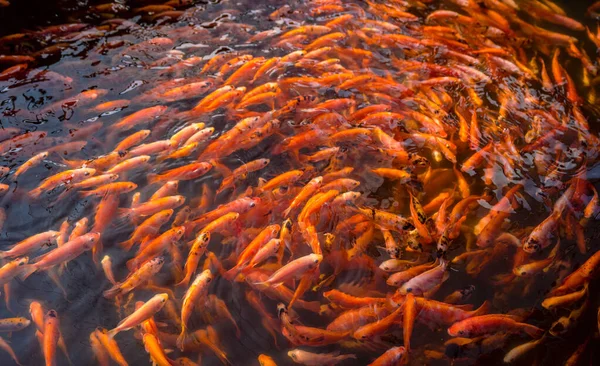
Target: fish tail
[
  {"x": 153, "y": 178},
  {"x": 313, "y": 306},
  {"x": 232, "y": 273},
  {"x": 126, "y": 245},
  {"x": 73, "y": 163},
  {"x": 218, "y": 352},
  {"x": 123, "y": 213},
  {"x": 63, "y": 348},
  {"x": 287, "y": 212},
  {"x": 185, "y": 281},
  {"x": 182, "y": 338},
  {"x": 28, "y": 271},
  {"x": 113, "y": 291},
  {"x": 532, "y": 330},
  {"x": 483, "y": 309},
  {"x": 113, "y": 332},
  {"x": 3, "y": 255},
  {"x": 35, "y": 193},
  {"x": 131, "y": 264}
]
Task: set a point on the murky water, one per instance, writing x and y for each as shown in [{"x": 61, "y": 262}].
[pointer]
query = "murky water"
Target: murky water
[{"x": 134, "y": 56}]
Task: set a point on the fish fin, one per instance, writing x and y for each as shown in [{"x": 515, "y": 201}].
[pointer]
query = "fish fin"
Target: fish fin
[
  {"x": 127, "y": 244},
  {"x": 131, "y": 264},
  {"x": 261, "y": 182},
  {"x": 27, "y": 271},
  {"x": 504, "y": 279},
  {"x": 182, "y": 338},
  {"x": 532, "y": 330},
  {"x": 63, "y": 348},
  {"x": 313, "y": 306},
  {"x": 483, "y": 309}
]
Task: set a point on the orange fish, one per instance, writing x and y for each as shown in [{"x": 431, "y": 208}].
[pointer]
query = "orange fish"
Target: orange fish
[{"x": 186, "y": 172}]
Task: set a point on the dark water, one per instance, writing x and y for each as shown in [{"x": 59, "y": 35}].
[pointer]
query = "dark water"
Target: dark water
[{"x": 208, "y": 28}]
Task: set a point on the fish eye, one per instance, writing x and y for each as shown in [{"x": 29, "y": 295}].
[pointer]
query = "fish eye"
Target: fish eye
[
  {"x": 461, "y": 332},
  {"x": 316, "y": 261},
  {"x": 252, "y": 204},
  {"x": 208, "y": 279},
  {"x": 86, "y": 173},
  {"x": 409, "y": 290}
]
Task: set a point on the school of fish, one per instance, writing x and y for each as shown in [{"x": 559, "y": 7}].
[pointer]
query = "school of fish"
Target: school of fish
[{"x": 351, "y": 182}]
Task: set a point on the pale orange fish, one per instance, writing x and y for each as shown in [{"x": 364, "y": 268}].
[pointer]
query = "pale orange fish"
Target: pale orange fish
[
  {"x": 111, "y": 346},
  {"x": 13, "y": 324},
  {"x": 154, "y": 206},
  {"x": 31, "y": 244},
  {"x": 111, "y": 188},
  {"x": 309, "y": 358},
  {"x": 37, "y": 159},
  {"x": 294, "y": 269},
  {"x": 196, "y": 251},
  {"x": 186, "y": 172},
  {"x": 146, "y": 311},
  {"x": 148, "y": 228},
  {"x": 132, "y": 140},
  {"x": 129, "y": 164},
  {"x": 137, "y": 278},
  {"x": 66, "y": 177},
  {"x": 63, "y": 254},
  {"x": 107, "y": 266},
  {"x": 155, "y": 246},
  {"x": 143, "y": 116},
  {"x": 191, "y": 300},
  {"x": 12, "y": 269}
]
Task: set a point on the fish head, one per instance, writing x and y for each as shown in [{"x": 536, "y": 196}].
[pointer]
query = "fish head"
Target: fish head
[
  {"x": 92, "y": 240},
  {"x": 316, "y": 260},
  {"x": 281, "y": 309},
  {"x": 51, "y": 314},
  {"x": 458, "y": 330},
  {"x": 166, "y": 214},
  {"x": 207, "y": 275},
  {"x": 293, "y": 354},
  {"x": 204, "y": 238},
  {"x": 162, "y": 298},
  {"x": 158, "y": 261},
  {"x": 532, "y": 245}
]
